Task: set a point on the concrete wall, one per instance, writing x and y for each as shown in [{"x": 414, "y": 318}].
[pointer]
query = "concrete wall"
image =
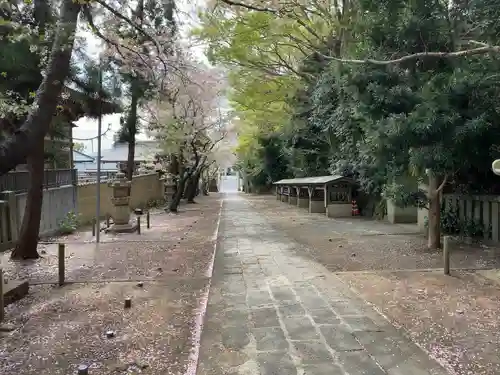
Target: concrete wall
[
  {"x": 57, "y": 202},
  {"x": 303, "y": 203},
  {"x": 317, "y": 207},
  {"x": 339, "y": 210},
  {"x": 397, "y": 214},
  {"x": 144, "y": 189},
  {"x": 81, "y": 199}
]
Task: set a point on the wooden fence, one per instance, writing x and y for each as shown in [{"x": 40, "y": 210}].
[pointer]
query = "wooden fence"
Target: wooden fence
[{"x": 482, "y": 209}]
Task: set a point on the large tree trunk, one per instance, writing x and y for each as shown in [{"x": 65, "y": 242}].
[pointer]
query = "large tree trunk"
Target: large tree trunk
[
  {"x": 15, "y": 149},
  {"x": 434, "y": 218},
  {"x": 26, "y": 247},
  {"x": 192, "y": 187},
  {"x": 181, "y": 185}
]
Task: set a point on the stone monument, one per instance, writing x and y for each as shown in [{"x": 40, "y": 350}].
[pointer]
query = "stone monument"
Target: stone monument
[
  {"x": 168, "y": 188},
  {"x": 120, "y": 201}
]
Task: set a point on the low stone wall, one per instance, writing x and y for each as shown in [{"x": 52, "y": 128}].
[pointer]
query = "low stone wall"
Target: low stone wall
[
  {"x": 317, "y": 207},
  {"x": 292, "y": 200},
  {"x": 401, "y": 215},
  {"x": 339, "y": 210},
  {"x": 144, "y": 188},
  {"x": 303, "y": 203}
]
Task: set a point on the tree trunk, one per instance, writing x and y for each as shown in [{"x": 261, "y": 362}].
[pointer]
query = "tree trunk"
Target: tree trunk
[
  {"x": 181, "y": 185},
  {"x": 15, "y": 149},
  {"x": 434, "y": 218},
  {"x": 26, "y": 247},
  {"x": 192, "y": 187},
  {"x": 131, "y": 125}
]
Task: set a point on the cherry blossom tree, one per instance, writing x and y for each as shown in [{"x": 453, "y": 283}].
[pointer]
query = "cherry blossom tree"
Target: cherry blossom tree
[{"x": 188, "y": 119}]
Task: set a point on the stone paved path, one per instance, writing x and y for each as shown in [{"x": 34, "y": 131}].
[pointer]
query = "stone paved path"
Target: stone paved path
[{"x": 272, "y": 312}]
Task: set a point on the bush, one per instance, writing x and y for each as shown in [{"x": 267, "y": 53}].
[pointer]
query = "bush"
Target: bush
[{"x": 68, "y": 224}]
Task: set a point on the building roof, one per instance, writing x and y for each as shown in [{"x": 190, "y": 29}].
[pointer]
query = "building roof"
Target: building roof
[
  {"x": 80, "y": 157},
  {"x": 321, "y": 180},
  {"x": 144, "y": 151}
]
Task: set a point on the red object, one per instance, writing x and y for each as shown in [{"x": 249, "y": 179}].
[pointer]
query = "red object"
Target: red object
[{"x": 355, "y": 210}]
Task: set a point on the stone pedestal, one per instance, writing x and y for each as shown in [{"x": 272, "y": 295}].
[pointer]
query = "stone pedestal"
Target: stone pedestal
[
  {"x": 169, "y": 188},
  {"x": 339, "y": 210},
  {"x": 120, "y": 201},
  {"x": 397, "y": 214}
]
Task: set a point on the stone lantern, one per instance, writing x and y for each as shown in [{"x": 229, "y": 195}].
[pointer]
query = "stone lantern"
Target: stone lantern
[
  {"x": 168, "y": 187},
  {"x": 120, "y": 201}
]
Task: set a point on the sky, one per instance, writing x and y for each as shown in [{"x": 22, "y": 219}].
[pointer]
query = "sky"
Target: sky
[{"x": 87, "y": 128}]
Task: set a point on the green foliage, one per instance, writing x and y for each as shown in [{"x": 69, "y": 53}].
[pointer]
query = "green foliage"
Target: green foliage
[
  {"x": 374, "y": 122},
  {"x": 69, "y": 224}
]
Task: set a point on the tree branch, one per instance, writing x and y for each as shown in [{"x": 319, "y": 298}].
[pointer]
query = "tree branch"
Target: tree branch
[
  {"x": 249, "y": 7},
  {"x": 445, "y": 179},
  {"x": 420, "y": 55}
]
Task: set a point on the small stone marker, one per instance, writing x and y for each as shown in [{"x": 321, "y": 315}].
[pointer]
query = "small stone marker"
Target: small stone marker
[
  {"x": 83, "y": 370},
  {"x": 128, "y": 303},
  {"x": 110, "y": 334}
]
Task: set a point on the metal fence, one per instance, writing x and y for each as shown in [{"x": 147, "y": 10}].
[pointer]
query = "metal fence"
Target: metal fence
[{"x": 19, "y": 181}]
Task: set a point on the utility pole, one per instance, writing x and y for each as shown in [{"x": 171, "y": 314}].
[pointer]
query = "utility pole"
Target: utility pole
[{"x": 99, "y": 135}]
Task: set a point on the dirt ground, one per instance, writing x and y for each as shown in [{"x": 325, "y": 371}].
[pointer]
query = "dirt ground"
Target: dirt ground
[
  {"x": 455, "y": 318},
  {"x": 163, "y": 271},
  {"x": 357, "y": 244}
]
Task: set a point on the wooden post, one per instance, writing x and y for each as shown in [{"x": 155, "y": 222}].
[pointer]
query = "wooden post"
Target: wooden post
[
  {"x": 93, "y": 227},
  {"x": 148, "y": 220},
  {"x": 61, "y": 263},
  {"x": 138, "y": 225},
  {"x": 107, "y": 221},
  {"x": 2, "y": 312},
  {"x": 446, "y": 254}
]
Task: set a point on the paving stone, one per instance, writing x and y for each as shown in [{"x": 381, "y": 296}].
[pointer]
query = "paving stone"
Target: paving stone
[
  {"x": 270, "y": 339},
  {"x": 322, "y": 369},
  {"x": 235, "y": 287},
  {"x": 312, "y": 352},
  {"x": 314, "y": 302},
  {"x": 340, "y": 337},
  {"x": 292, "y": 309},
  {"x": 236, "y": 338},
  {"x": 362, "y": 323},
  {"x": 267, "y": 277},
  {"x": 408, "y": 367},
  {"x": 256, "y": 298},
  {"x": 359, "y": 363},
  {"x": 283, "y": 293},
  {"x": 324, "y": 316},
  {"x": 300, "y": 328},
  {"x": 266, "y": 317},
  {"x": 276, "y": 364},
  {"x": 343, "y": 308}
]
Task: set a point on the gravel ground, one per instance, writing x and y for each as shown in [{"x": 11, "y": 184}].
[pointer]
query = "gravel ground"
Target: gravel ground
[
  {"x": 357, "y": 244},
  {"x": 454, "y": 318},
  {"x": 56, "y": 329}
]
